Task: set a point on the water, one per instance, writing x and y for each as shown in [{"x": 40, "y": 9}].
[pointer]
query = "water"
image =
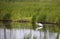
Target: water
[{"x": 26, "y": 32}]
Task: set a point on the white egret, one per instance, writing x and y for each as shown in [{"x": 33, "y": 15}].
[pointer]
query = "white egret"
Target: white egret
[{"x": 40, "y": 26}]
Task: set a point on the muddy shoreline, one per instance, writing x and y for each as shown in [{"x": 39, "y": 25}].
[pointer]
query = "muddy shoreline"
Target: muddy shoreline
[{"x": 24, "y": 21}]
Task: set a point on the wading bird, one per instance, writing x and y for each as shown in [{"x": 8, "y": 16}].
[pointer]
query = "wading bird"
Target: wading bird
[{"x": 40, "y": 26}]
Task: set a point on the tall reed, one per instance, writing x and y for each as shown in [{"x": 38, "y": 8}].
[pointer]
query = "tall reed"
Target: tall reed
[{"x": 34, "y": 22}]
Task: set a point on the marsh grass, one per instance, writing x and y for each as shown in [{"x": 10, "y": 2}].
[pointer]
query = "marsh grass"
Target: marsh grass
[
  {"x": 34, "y": 22},
  {"x": 23, "y": 10},
  {"x": 7, "y": 24},
  {"x": 33, "y": 11}
]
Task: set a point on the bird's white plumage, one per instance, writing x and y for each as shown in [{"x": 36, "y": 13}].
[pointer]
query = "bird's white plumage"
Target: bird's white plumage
[{"x": 40, "y": 26}]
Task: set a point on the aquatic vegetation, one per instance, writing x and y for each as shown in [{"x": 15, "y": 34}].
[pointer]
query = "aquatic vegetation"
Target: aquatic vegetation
[
  {"x": 33, "y": 11},
  {"x": 34, "y": 22},
  {"x": 7, "y": 24}
]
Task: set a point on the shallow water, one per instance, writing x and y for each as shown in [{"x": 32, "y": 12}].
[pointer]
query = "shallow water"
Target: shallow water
[{"x": 26, "y": 33}]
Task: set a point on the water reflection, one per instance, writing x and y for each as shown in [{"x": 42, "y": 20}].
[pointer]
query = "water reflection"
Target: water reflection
[{"x": 26, "y": 33}]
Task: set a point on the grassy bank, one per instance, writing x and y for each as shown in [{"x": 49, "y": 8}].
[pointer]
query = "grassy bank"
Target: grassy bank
[
  {"x": 32, "y": 11},
  {"x": 42, "y": 11}
]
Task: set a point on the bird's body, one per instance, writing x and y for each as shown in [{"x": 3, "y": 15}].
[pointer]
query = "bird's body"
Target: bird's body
[{"x": 40, "y": 26}]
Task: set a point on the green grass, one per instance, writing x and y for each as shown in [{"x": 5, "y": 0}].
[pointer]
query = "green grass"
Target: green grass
[
  {"x": 26, "y": 10},
  {"x": 33, "y": 11}
]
